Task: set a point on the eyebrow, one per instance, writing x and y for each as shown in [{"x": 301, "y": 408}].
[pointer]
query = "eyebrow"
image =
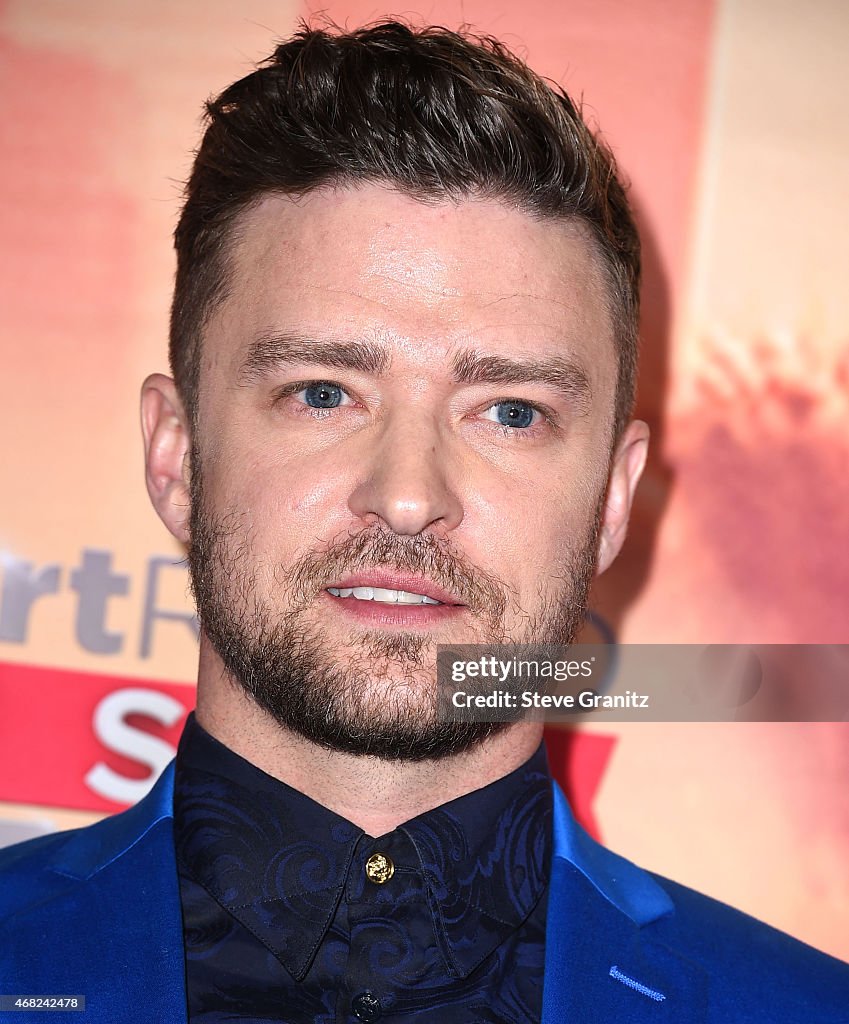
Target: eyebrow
[
  {"x": 270, "y": 351},
  {"x": 562, "y": 374}
]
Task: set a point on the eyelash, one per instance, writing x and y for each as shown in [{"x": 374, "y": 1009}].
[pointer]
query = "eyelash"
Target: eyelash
[{"x": 548, "y": 415}]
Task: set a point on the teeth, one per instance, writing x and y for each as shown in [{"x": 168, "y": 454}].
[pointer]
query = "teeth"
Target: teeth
[{"x": 381, "y": 595}]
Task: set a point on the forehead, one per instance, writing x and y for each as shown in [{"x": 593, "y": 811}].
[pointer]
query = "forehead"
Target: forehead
[{"x": 370, "y": 263}]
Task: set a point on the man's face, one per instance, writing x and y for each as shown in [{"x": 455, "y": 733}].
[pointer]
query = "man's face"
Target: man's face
[{"x": 403, "y": 438}]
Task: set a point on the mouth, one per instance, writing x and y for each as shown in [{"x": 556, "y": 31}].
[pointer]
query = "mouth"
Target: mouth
[
  {"x": 381, "y": 595},
  {"x": 393, "y": 598}
]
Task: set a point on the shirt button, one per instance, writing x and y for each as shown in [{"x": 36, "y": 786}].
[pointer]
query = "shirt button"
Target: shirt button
[
  {"x": 366, "y": 1006},
  {"x": 379, "y": 869}
]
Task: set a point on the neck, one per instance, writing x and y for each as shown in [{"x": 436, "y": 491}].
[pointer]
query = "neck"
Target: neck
[{"x": 374, "y": 794}]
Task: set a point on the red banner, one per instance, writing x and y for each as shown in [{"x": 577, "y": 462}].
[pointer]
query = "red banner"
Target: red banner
[{"x": 85, "y": 741}]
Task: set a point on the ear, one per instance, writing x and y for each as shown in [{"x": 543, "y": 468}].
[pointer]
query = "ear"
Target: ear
[
  {"x": 626, "y": 470},
  {"x": 167, "y": 445}
]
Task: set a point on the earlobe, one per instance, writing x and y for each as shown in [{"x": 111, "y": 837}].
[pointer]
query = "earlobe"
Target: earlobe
[
  {"x": 626, "y": 470},
  {"x": 167, "y": 443}
]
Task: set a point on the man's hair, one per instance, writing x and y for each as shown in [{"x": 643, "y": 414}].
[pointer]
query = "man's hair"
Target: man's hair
[{"x": 432, "y": 113}]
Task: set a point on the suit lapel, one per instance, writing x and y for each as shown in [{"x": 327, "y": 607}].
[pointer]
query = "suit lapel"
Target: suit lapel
[
  {"x": 602, "y": 962},
  {"x": 119, "y": 878}
]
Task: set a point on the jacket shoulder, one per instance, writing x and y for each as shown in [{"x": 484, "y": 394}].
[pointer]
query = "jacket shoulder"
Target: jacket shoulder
[
  {"x": 96, "y": 911},
  {"x": 34, "y": 869},
  {"x": 28, "y": 874},
  {"x": 754, "y": 966},
  {"x": 39, "y": 868}
]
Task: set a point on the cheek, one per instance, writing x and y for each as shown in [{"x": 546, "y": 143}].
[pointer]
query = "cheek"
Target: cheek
[
  {"x": 309, "y": 494},
  {"x": 290, "y": 503},
  {"x": 525, "y": 529}
]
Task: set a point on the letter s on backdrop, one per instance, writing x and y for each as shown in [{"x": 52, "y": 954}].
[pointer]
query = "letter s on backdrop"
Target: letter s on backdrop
[{"x": 115, "y": 734}]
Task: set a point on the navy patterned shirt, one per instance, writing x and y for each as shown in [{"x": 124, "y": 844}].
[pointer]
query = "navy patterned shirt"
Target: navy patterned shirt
[{"x": 293, "y": 914}]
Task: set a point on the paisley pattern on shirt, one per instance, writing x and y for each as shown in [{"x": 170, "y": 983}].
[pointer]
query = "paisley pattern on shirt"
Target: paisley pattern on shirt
[{"x": 282, "y": 923}]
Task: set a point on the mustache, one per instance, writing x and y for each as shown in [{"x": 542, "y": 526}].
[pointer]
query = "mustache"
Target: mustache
[{"x": 421, "y": 554}]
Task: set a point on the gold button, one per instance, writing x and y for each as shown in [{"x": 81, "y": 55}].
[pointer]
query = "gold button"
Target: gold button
[{"x": 379, "y": 868}]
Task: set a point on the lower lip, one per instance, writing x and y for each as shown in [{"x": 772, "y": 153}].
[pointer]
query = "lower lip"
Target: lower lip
[{"x": 377, "y": 613}]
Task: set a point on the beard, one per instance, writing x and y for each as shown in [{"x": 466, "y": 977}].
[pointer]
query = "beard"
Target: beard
[{"x": 382, "y": 700}]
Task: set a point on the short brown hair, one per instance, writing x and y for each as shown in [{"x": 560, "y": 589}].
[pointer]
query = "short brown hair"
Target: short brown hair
[{"x": 434, "y": 113}]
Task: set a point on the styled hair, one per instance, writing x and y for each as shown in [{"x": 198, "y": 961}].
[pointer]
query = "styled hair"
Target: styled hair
[{"x": 432, "y": 113}]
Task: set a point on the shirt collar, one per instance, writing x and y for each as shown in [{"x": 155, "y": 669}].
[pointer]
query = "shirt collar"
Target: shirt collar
[
  {"x": 486, "y": 860},
  {"x": 279, "y": 861}
]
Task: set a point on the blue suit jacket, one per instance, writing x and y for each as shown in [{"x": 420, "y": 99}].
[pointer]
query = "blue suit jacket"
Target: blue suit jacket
[{"x": 96, "y": 912}]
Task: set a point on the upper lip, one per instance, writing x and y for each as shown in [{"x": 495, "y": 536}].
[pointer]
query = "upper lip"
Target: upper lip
[{"x": 388, "y": 579}]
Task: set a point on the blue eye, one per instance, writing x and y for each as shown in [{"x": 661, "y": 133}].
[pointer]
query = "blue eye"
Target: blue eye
[
  {"x": 323, "y": 396},
  {"x": 512, "y": 414}
]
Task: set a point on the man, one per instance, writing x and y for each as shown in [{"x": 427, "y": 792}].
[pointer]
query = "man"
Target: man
[{"x": 403, "y": 346}]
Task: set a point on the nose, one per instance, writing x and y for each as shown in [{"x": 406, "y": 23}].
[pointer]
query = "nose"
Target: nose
[{"x": 407, "y": 482}]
